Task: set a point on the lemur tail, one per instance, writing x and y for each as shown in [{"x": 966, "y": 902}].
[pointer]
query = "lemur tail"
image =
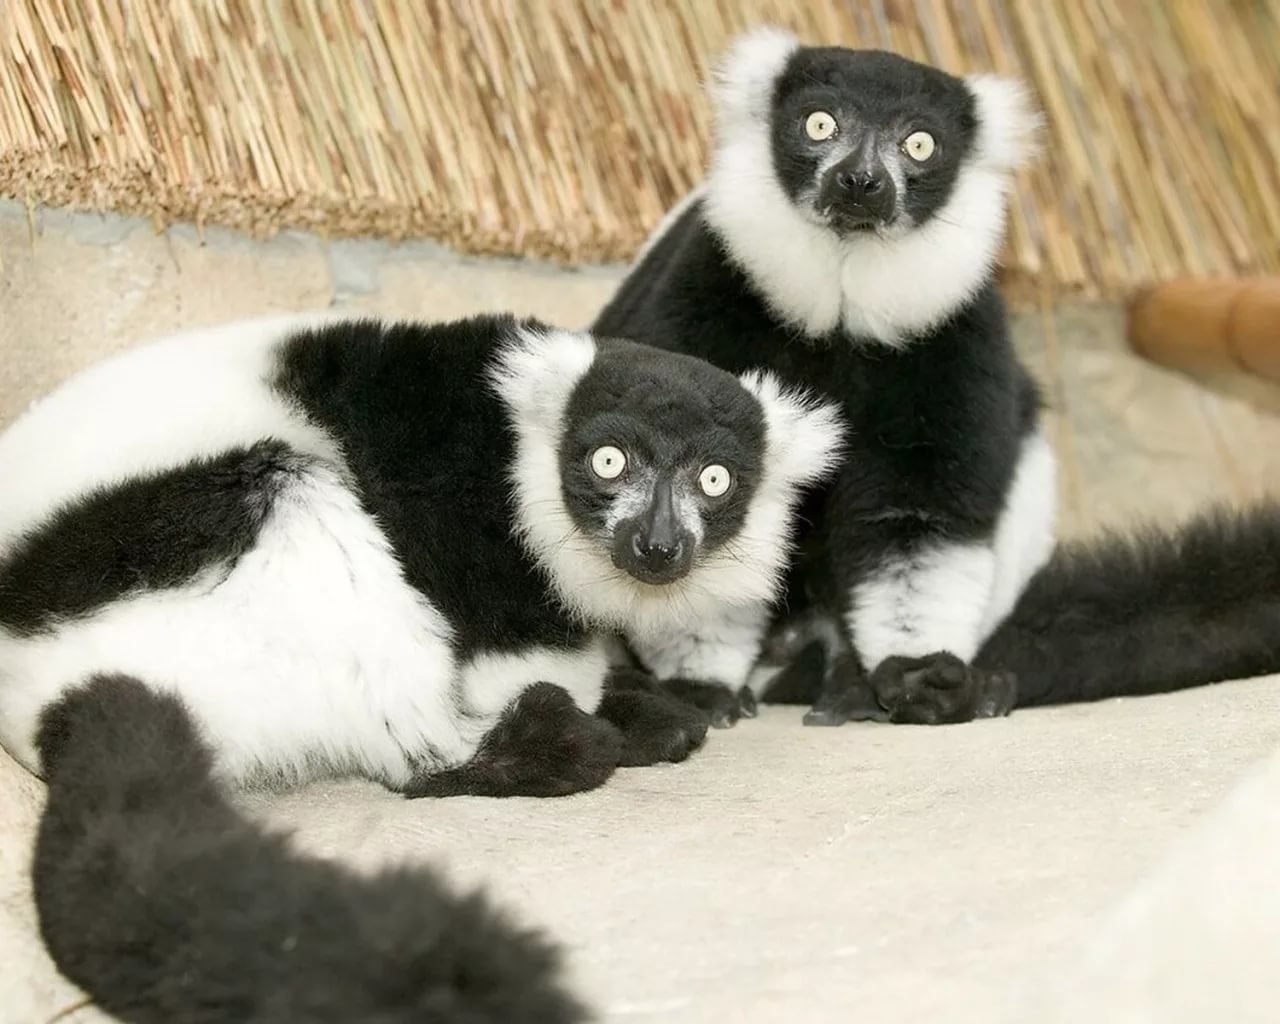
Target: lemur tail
[
  {"x": 1156, "y": 611},
  {"x": 165, "y": 904}
]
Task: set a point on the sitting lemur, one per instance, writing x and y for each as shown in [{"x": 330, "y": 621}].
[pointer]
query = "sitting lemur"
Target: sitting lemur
[
  {"x": 845, "y": 238},
  {"x": 308, "y": 546}
]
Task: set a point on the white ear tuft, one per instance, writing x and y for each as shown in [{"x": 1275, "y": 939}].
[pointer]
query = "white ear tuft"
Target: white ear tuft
[
  {"x": 744, "y": 77},
  {"x": 804, "y": 436},
  {"x": 1008, "y": 121},
  {"x": 537, "y": 371}
]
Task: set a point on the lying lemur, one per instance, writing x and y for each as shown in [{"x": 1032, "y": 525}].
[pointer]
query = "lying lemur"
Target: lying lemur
[
  {"x": 845, "y": 239},
  {"x": 306, "y": 546}
]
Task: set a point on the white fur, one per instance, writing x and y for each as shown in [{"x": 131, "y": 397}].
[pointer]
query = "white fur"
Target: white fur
[
  {"x": 802, "y": 442},
  {"x": 1008, "y": 123},
  {"x": 1026, "y": 530},
  {"x": 491, "y": 681},
  {"x": 804, "y": 436},
  {"x": 309, "y": 653},
  {"x": 952, "y": 598},
  {"x": 934, "y": 601},
  {"x": 154, "y": 406},
  {"x": 742, "y": 83},
  {"x": 719, "y": 648},
  {"x": 535, "y": 376},
  {"x": 887, "y": 289},
  {"x": 312, "y": 653}
]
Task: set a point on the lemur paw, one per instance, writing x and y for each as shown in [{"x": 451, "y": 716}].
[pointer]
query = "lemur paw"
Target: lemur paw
[
  {"x": 655, "y": 726},
  {"x": 544, "y": 745},
  {"x": 722, "y": 705},
  {"x": 855, "y": 704},
  {"x": 846, "y": 696},
  {"x": 941, "y": 689}
]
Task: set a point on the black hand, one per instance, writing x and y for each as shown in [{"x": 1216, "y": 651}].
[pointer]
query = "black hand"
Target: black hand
[
  {"x": 846, "y": 696},
  {"x": 543, "y": 745},
  {"x": 941, "y": 689},
  {"x": 655, "y": 726},
  {"x": 722, "y": 705}
]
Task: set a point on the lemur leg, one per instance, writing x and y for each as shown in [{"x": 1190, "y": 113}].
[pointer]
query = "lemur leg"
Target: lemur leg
[
  {"x": 1027, "y": 530},
  {"x": 921, "y": 620},
  {"x": 917, "y": 621},
  {"x": 709, "y": 667},
  {"x": 807, "y": 659},
  {"x": 542, "y": 745},
  {"x": 655, "y": 726}
]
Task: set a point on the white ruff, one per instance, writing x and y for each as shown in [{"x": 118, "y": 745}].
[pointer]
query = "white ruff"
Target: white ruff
[
  {"x": 721, "y": 649},
  {"x": 887, "y": 289},
  {"x": 536, "y": 377}
]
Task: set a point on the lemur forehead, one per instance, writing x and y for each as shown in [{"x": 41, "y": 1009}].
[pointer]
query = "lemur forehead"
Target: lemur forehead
[
  {"x": 874, "y": 81},
  {"x": 628, "y": 376}
]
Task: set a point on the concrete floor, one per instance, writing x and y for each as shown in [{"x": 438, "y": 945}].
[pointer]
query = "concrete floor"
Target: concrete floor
[{"x": 1113, "y": 861}]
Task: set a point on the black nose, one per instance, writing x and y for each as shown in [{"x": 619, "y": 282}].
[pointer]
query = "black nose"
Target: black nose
[
  {"x": 860, "y": 188},
  {"x": 656, "y": 553},
  {"x": 863, "y": 182}
]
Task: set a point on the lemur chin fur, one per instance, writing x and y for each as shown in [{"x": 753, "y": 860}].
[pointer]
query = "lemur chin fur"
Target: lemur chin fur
[{"x": 845, "y": 239}]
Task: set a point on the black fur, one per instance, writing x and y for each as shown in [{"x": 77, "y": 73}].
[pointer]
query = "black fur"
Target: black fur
[
  {"x": 935, "y": 427},
  {"x": 724, "y": 707},
  {"x": 636, "y": 387},
  {"x": 544, "y": 745},
  {"x": 160, "y": 900},
  {"x": 654, "y": 726},
  {"x": 429, "y": 445},
  {"x": 147, "y": 533},
  {"x": 167, "y": 905},
  {"x": 1150, "y": 611},
  {"x": 1155, "y": 611}
]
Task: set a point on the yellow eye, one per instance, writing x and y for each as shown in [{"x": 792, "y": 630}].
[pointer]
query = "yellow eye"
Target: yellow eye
[
  {"x": 820, "y": 126},
  {"x": 714, "y": 481},
  {"x": 608, "y": 462},
  {"x": 919, "y": 146}
]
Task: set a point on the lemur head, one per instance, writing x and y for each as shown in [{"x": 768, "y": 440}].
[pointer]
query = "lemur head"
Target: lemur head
[
  {"x": 857, "y": 186},
  {"x": 651, "y": 486}
]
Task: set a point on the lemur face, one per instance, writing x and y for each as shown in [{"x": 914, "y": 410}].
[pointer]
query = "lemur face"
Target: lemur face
[
  {"x": 660, "y": 459},
  {"x": 650, "y": 486},
  {"x": 866, "y": 141},
  {"x": 860, "y": 190}
]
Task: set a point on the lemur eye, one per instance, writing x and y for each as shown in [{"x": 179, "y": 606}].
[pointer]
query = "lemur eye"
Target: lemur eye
[
  {"x": 608, "y": 462},
  {"x": 919, "y": 146},
  {"x": 714, "y": 481},
  {"x": 820, "y": 126}
]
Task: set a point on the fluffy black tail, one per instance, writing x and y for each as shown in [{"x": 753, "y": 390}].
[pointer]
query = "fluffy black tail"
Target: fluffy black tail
[
  {"x": 166, "y": 905},
  {"x": 1157, "y": 611}
]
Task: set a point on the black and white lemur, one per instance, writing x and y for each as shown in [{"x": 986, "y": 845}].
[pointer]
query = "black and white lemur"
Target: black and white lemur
[
  {"x": 300, "y": 546},
  {"x": 845, "y": 238}
]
